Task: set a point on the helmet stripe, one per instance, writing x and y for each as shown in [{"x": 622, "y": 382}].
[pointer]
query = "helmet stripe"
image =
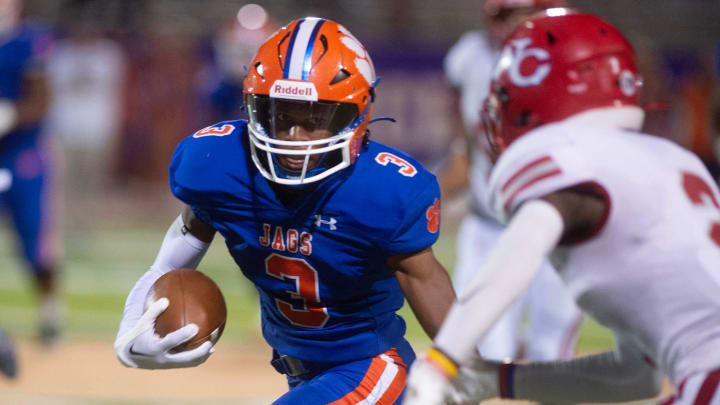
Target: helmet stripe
[
  {"x": 308, "y": 52},
  {"x": 300, "y": 48},
  {"x": 286, "y": 68}
]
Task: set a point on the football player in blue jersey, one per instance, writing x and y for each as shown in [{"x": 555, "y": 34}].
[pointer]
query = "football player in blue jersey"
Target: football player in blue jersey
[
  {"x": 333, "y": 229},
  {"x": 25, "y": 155}
]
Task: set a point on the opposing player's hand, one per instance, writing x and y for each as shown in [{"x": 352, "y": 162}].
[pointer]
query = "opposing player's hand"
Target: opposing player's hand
[
  {"x": 477, "y": 381},
  {"x": 140, "y": 347},
  {"x": 429, "y": 381}
]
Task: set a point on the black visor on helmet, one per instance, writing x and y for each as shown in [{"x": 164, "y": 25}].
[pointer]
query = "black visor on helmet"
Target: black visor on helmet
[{"x": 279, "y": 115}]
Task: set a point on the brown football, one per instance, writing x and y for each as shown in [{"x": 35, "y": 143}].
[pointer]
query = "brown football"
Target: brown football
[{"x": 194, "y": 298}]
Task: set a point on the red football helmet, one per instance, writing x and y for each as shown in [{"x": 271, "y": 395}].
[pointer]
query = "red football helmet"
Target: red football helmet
[
  {"x": 555, "y": 65},
  {"x": 312, "y": 73}
]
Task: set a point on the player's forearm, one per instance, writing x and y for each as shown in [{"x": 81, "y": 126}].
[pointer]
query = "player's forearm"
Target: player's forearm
[
  {"x": 506, "y": 273},
  {"x": 604, "y": 377},
  {"x": 430, "y": 300},
  {"x": 426, "y": 286}
]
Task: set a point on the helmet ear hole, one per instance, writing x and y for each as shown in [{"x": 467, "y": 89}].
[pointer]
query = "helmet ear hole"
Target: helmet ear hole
[
  {"x": 340, "y": 76},
  {"x": 260, "y": 69},
  {"x": 523, "y": 119},
  {"x": 551, "y": 38}
]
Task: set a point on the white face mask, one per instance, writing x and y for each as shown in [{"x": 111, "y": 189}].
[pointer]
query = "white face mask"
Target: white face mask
[
  {"x": 9, "y": 15},
  {"x": 295, "y": 159}
]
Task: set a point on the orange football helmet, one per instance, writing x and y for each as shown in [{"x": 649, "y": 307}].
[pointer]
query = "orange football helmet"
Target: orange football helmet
[{"x": 312, "y": 73}]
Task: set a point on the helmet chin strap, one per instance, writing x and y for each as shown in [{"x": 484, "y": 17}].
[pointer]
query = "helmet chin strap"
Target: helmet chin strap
[{"x": 627, "y": 117}]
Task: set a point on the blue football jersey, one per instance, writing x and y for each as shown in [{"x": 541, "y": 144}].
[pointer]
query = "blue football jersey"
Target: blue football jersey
[
  {"x": 319, "y": 263},
  {"x": 24, "y": 53}
]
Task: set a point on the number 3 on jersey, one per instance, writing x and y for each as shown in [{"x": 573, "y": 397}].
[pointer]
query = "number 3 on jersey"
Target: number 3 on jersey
[
  {"x": 312, "y": 314},
  {"x": 405, "y": 168},
  {"x": 700, "y": 193}
]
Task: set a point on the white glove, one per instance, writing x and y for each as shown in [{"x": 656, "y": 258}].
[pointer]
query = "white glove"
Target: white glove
[
  {"x": 140, "y": 347},
  {"x": 8, "y": 116},
  {"x": 476, "y": 382},
  {"x": 428, "y": 383}
]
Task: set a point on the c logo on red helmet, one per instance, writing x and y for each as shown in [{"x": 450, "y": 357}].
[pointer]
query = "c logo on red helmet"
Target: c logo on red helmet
[{"x": 513, "y": 57}]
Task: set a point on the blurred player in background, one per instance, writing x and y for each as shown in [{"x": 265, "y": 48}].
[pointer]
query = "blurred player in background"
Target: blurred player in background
[
  {"x": 332, "y": 228},
  {"x": 552, "y": 318},
  {"x": 633, "y": 221},
  {"x": 234, "y": 47},
  {"x": 86, "y": 76},
  {"x": 26, "y": 153}
]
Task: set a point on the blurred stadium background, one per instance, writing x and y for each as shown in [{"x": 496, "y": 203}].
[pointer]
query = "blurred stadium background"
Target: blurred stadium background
[{"x": 133, "y": 77}]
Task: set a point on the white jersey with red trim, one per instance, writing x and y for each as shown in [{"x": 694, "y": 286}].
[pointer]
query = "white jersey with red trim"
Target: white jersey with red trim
[{"x": 652, "y": 272}]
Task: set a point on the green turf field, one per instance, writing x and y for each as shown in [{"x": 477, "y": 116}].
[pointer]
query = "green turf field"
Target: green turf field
[{"x": 101, "y": 266}]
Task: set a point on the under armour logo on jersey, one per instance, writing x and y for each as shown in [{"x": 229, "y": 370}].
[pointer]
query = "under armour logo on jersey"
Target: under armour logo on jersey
[
  {"x": 319, "y": 222},
  {"x": 513, "y": 57}
]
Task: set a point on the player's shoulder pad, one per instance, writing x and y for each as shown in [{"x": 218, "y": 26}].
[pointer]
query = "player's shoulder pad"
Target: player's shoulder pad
[
  {"x": 398, "y": 199},
  {"x": 209, "y": 158},
  {"x": 217, "y": 140},
  {"x": 392, "y": 166},
  {"x": 388, "y": 176},
  {"x": 542, "y": 161}
]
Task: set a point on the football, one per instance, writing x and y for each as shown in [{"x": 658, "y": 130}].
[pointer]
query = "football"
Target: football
[{"x": 194, "y": 298}]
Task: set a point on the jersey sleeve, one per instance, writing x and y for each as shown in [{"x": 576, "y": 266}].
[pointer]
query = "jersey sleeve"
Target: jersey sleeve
[
  {"x": 420, "y": 223},
  {"x": 534, "y": 169},
  {"x": 182, "y": 173},
  {"x": 200, "y": 165}
]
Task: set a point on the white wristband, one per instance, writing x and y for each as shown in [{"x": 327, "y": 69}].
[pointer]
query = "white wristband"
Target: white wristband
[{"x": 8, "y": 116}]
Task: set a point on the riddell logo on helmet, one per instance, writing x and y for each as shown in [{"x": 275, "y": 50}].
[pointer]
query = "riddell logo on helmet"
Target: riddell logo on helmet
[{"x": 293, "y": 90}]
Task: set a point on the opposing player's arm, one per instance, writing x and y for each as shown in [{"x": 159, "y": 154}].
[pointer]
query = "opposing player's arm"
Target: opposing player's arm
[
  {"x": 505, "y": 274},
  {"x": 136, "y": 345},
  {"x": 582, "y": 210},
  {"x": 615, "y": 376},
  {"x": 535, "y": 229},
  {"x": 426, "y": 286}
]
